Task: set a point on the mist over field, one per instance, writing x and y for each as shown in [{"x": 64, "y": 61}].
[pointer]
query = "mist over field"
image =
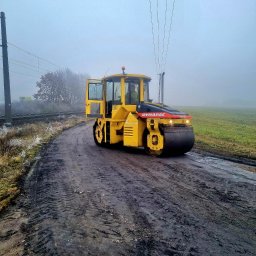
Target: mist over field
[{"x": 211, "y": 58}]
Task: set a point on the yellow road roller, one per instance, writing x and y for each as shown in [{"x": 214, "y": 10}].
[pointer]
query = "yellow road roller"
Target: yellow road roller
[{"x": 125, "y": 115}]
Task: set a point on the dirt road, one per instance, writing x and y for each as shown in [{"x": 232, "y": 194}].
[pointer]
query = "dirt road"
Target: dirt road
[{"x": 81, "y": 199}]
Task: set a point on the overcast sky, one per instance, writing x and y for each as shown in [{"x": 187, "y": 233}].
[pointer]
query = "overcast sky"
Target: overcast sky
[{"x": 211, "y": 58}]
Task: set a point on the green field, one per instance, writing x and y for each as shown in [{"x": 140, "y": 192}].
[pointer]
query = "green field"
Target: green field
[{"x": 231, "y": 132}]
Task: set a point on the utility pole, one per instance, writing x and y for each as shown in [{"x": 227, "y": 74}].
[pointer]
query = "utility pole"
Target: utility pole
[
  {"x": 7, "y": 90},
  {"x": 159, "y": 88},
  {"x": 162, "y": 88}
]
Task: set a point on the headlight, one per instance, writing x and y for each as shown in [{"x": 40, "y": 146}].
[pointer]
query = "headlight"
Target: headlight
[{"x": 187, "y": 121}]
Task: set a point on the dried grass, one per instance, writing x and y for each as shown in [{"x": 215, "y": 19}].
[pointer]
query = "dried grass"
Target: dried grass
[
  {"x": 19, "y": 146},
  {"x": 6, "y": 146}
]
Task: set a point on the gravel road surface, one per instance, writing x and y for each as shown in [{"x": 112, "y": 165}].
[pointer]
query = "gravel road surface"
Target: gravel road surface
[{"x": 81, "y": 199}]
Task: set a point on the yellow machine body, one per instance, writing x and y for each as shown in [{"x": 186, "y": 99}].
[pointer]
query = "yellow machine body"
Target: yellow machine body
[{"x": 125, "y": 114}]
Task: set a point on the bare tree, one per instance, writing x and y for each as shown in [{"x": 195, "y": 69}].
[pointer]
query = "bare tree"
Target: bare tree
[{"x": 62, "y": 86}]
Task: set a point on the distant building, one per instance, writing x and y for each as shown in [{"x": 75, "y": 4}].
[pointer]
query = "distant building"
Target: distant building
[{"x": 25, "y": 98}]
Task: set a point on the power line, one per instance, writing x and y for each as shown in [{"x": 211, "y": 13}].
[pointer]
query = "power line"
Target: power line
[
  {"x": 157, "y": 19},
  {"x": 18, "y": 73},
  {"x": 28, "y": 66},
  {"x": 160, "y": 55},
  {"x": 22, "y": 74},
  {"x": 165, "y": 15},
  {"x": 31, "y": 54},
  {"x": 169, "y": 34},
  {"x": 152, "y": 30}
]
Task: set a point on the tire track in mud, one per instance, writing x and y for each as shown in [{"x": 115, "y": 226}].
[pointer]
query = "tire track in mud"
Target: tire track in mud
[
  {"x": 87, "y": 200},
  {"x": 188, "y": 219}
]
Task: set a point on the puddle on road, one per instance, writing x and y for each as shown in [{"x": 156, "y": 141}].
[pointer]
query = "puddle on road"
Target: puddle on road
[{"x": 225, "y": 169}]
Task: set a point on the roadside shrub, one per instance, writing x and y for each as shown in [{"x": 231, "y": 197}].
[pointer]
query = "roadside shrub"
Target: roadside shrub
[{"x": 5, "y": 143}]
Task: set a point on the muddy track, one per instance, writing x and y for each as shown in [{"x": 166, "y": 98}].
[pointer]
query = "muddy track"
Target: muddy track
[{"x": 86, "y": 200}]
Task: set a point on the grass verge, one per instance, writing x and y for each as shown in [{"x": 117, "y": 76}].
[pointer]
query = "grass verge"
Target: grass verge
[
  {"x": 18, "y": 148},
  {"x": 229, "y": 132}
]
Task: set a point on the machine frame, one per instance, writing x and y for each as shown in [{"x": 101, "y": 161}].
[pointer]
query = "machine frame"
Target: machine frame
[{"x": 135, "y": 122}]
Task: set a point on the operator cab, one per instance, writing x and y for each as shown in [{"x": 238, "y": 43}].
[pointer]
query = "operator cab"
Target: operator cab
[{"x": 126, "y": 90}]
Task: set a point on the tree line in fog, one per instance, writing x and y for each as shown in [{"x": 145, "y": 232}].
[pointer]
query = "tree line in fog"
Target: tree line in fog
[
  {"x": 58, "y": 91},
  {"x": 62, "y": 86}
]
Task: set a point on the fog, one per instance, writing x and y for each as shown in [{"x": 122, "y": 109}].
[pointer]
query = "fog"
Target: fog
[{"x": 211, "y": 58}]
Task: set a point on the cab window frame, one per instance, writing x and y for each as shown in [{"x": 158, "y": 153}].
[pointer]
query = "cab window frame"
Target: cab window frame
[
  {"x": 128, "y": 82},
  {"x": 95, "y": 98},
  {"x": 116, "y": 85},
  {"x": 146, "y": 90}
]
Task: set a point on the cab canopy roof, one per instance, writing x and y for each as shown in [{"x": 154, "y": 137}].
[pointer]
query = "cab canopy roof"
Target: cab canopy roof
[{"x": 116, "y": 76}]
